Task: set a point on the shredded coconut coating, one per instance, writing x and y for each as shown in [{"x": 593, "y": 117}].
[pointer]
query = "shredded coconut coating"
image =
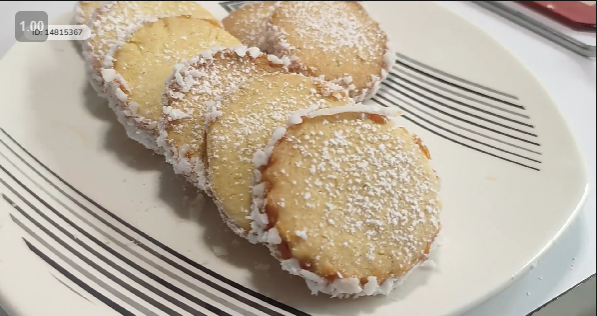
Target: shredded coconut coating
[
  {"x": 114, "y": 21},
  {"x": 84, "y": 11},
  {"x": 248, "y": 23},
  {"x": 194, "y": 83},
  {"x": 242, "y": 122},
  {"x": 135, "y": 81},
  {"x": 346, "y": 199},
  {"x": 336, "y": 39}
]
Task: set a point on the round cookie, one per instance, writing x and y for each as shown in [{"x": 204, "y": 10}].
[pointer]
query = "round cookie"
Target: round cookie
[
  {"x": 181, "y": 127},
  {"x": 248, "y": 23},
  {"x": 336, "y": 39},
  {"x": 115, "y": 20},
  {"x": 134, "y": 81},
  {"x": 84, "y": 11},
  {"x": 346, "y": 199},
  {"x": 241, "y": 122}
]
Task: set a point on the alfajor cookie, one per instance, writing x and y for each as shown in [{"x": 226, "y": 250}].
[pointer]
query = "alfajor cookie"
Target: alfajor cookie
[
  {"x": 346, "y": 199},
  {"x": 202, "y": 79},
  {"x": 335, "y": 39},
  {"x": 248, "y": 23},
  {"x": 241, "y": 122},
  {"x": 134, "y": 78},
  {"x": 84, "y": 10},
  {"x": 114, "y": 21}
]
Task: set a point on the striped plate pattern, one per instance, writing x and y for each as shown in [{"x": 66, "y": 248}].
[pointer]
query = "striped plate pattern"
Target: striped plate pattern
[
  {"x": 91, "y": 247},
  {"x": 230, "y": 6},
  {"x": 480, "y": 118},
  {"x": 462, "y": 112}
]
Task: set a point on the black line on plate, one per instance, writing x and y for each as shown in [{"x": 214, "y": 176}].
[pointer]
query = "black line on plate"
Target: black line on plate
[
  {"x": 457, "y": 142},
  {"x": 458, "y": 118},
  {"x": 456, "y": 125},
  {"x": 427, "y": 82},
  {"x": 389, "y": 79},
  {"x": 171, "y": 251},
  {"x": 124, "y": 297},
  {"x": 117, "y": 267},
  {"x": 121, "y": 310},
  {"x": 458, "y": 102},
  {"x": 223, "y": 290},
  {"x": 455, "y": 133},
  {"x": 88, "y": 261},
  {"x": 225, "y": 6},
  {"x": 205, "y": 292},
  {"x": 459, "y": 86},
  {"x": 230, "y": 6}
]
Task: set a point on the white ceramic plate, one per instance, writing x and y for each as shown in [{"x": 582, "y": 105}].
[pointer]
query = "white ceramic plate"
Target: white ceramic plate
[{"x": 91, "y": 223}]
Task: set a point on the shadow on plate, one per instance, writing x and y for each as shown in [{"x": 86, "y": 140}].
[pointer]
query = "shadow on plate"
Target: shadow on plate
[
  {"x": 130, "y": 152},
  {"x": 78, "y": 47},
  {"x": 266, "y": 275}
]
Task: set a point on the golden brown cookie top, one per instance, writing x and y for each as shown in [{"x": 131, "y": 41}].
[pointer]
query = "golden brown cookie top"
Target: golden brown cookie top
[
  {"x": 135, "y": 79},
  {"x": 195, "y": 82},
  {"x": 146, "y": 59},
  {"x": 242, "y": 122},
  {"x": 347, "y": 199},
  {"x": 248, "y": 23},
  {"x": 116, "y": 20},
  {"x": 337, "y": 39}
]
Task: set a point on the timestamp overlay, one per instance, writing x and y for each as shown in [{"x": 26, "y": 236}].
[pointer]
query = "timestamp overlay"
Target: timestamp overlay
[{"x": 33, "y": 26}]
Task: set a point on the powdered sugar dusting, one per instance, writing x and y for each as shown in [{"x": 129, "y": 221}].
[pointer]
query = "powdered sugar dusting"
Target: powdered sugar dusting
[
  {"x": 190, "y": 91},
  {"x": 248, "y": 23},
  {"x": 261, "y": 157},
  {"x": 337, "y": 39},
  {"x": 301, "y": 233},
  {"x": 114, "y": 21},
  {"x": 244, "y": 123},
  {"x": 389, "y": 59},
  {"x": 333, "y": 25},
  {"x": 142, "y": 67},
  {"x": 369, "y": 184}
]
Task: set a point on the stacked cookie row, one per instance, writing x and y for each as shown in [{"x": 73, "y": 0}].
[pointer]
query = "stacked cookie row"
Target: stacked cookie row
[{"x": 272, "y": 132}]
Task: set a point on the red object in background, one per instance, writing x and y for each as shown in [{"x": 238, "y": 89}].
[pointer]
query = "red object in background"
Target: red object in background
[{"x": 576, "y": 14}]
